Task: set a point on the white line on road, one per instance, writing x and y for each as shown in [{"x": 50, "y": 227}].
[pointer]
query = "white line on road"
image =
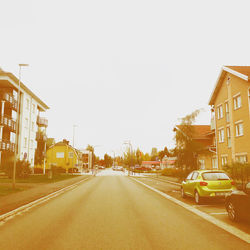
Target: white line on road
[
  {"x": 235, "y": 231},
  {"x": 10, "y": 215},
  {"x": 219, "y": 213}
]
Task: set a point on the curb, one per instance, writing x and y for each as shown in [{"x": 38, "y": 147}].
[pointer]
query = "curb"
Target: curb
[{"x": 9, "y": 215}]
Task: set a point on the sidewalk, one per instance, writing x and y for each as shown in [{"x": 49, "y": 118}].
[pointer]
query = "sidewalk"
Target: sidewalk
[{"x": 36, "y": 191}]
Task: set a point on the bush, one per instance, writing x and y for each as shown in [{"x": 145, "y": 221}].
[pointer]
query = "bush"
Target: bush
[
  {"x": 58, "y": 170},
  {"x": 22, "y": 169},
  {"x": 38, "y": 171},
  {"x": 240, "y": 172}
]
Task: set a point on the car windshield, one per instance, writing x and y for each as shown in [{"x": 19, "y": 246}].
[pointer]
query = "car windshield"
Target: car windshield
[{"x": 214, "y": 176}]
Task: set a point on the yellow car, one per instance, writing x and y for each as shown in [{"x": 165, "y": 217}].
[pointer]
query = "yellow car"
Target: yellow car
[{"x": 202, "y": 184}]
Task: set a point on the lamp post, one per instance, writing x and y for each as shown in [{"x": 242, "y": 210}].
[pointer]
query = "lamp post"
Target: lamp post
[{"x": 17, "y": 125}]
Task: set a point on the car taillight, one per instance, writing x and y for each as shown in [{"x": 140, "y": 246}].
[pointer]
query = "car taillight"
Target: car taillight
[
  {"x": 232, "y": 183},
  {"x": 203, "y": 183}
]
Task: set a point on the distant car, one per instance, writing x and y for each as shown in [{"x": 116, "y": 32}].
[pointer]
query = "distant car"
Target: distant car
[
  {"x": 238, "y": 204},
  {"x": 202, "y": 184}
]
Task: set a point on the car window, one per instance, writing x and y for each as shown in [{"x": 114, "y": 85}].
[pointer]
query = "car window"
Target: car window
[
  {"x": 189, "y": 176},
  {"x": 215, "y": 176},
  {"x": 195, "y": 175}
]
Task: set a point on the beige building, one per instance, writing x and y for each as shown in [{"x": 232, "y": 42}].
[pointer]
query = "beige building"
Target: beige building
[{"x": 230, "y": 102}]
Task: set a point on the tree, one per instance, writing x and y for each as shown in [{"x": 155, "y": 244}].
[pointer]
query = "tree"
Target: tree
[
  {"x": 107, "y": 161},
  {"x": 186, "y": 148},
  {"x": 163, "y": 153},
  {"x": 154, "y": 154},
  {"x": 138, "y": 157}
]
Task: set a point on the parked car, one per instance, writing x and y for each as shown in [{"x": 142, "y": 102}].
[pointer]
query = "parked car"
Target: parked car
[
  {"x": 238, "y": 204},
  {"x": 201, "y": 184}
]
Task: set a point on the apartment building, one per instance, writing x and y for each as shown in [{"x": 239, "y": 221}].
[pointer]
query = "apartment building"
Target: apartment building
[
  {"x": 32, "y": 127},
  {"x": 230, "y": 102}
]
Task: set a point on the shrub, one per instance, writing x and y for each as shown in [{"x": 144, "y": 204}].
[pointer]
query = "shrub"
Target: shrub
[
  {"x": 22, "y": 169},
  {"x": 38, "y": 171},
  {"x": 58, "y": 170}
]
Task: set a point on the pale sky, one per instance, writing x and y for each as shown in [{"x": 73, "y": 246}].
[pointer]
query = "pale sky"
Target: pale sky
[{"x": 122, "y": 70}]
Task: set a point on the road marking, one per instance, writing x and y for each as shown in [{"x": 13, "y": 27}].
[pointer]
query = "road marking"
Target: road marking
[
  {"x": 20, "y": 210},
  {"x": 235, "y": 231},
  {"x": 219, "y": 213}
]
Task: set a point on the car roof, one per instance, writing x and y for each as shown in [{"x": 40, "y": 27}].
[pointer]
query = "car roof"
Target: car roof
[{"x": 209, "y": 171}]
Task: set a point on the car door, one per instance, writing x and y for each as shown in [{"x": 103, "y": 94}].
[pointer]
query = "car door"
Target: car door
[
  {"x": 186, "y": 184},
  {"x": 193, "y": 182}
]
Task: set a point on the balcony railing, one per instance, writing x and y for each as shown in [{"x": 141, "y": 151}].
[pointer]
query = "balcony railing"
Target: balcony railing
[
  {"x": 8, "y": 122},
  {"x": 6, "y": 145},
  {"x": 42, "y": 122},
  {"x": 41, "y": 136},
  {"x": 10, "y": 99}
]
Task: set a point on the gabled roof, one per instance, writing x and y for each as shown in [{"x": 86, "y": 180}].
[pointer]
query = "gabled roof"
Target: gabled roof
[
  {"x": 200, "y": 132},
  {"x": 242, "y": 72}
]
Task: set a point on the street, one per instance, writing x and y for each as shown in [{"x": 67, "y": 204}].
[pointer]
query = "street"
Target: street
[{"x": 113, "y": 212}]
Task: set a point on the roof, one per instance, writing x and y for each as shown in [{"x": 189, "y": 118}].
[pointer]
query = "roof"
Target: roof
[
  {"x": 150, "y": 162},
  {"x": 199, "y": 131},
  {"x": 62, "y": 143},
  {"x": 242, "y": 72},
  {"x": 10, "y": 77}
]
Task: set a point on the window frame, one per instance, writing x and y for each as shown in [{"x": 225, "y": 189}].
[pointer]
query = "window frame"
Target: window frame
[{"x": 237, "y": 103}]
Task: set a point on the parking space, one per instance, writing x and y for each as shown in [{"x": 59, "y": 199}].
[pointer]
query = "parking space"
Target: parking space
[{"x": 215, "y": 208}]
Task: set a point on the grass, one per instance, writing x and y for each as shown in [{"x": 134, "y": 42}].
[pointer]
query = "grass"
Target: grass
[
  {"x": 8, "y": 190},
  {"x": 40, "y": 179}
]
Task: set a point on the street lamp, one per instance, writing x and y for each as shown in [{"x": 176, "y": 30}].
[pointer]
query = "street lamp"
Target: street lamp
[{"x": 17, "y": 125}]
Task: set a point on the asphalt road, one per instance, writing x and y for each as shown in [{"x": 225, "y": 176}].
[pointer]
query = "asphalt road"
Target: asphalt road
[{"x": 113, "y": 212}]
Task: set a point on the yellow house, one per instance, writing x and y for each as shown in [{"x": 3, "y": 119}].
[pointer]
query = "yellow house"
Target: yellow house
[
  {"x": 62, "y": 155},
  {"x": 230, "y": 102}
]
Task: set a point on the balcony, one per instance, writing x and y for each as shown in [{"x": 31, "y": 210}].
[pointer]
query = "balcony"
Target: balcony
[
  {"x": 6, "y": 145},
  {"x": 42, "y": 122},
  {"x": 8, "y": 122},
  {"x": 40, "y": 136},
  {"x": 10, "y": 100}
]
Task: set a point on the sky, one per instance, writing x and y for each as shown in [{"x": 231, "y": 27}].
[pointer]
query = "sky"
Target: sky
[{"x": 122, "y": 70}]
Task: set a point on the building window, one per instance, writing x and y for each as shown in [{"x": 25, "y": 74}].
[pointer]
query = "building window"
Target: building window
[
  {"x": 241, "y": 158},
  {"x": 33, "y": 126},
  {"x": 27, "y": 103},
  {"x": 227, "y": 112},
  {"x": 228, "y": 137},
  {"x": 237, "y": 102},
  {"x": 239, "y": 129},
  {"x": 60, "y": 155},
  {"x": 224, "y": 160},
  {"x": 214, "y": 163},
  {"x": 220, "y": 112},
  {"x": 25, "y": 142},
  {"x": 221, "y": 135}
]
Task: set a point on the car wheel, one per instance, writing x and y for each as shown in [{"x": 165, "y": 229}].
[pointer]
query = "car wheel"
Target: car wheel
[
  {"x": 232, "y": 212},
  {"x": 197, "y": 197},
  {"x": 183, "y": 195}
]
